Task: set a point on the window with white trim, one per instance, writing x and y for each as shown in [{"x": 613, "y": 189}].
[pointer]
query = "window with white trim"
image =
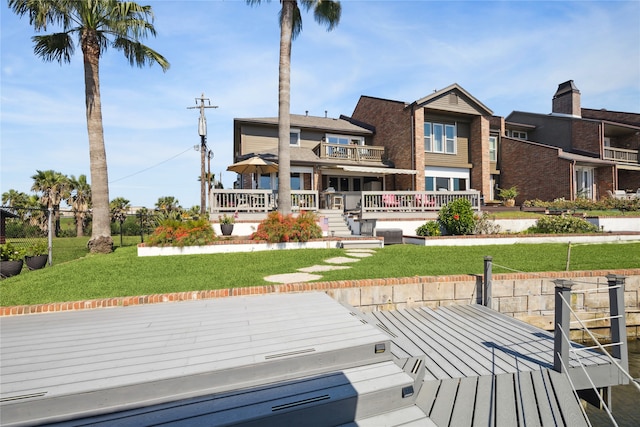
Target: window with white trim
[
  {"x": 518, "y": 134},
  {"x": 294, "y": 137},
  {"x": 440, "y": 138},
  {"x": 493, "y": 148}
]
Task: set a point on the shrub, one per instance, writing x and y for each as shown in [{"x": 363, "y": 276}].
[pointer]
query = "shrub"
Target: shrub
[
  {"x": 173, "y": 232},
  {"x": 485, "y": 226},
  {"x": 429, "y": 228},
  {"x": 562, "y": 224},
  {"x": 9, "y": 252},
  {"x": 279, "y": 228},
  {"x": 457, "y": 217}
]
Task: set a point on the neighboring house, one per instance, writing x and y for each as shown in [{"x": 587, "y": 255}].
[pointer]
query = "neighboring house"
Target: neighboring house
[
  {"x": 448, "y": 137},
  {"x": 325, "y": 153},
  {"x": 572, "y": 152}
]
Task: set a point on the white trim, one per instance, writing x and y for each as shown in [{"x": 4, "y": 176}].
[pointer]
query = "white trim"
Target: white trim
[{"x": 377, "y": 171}]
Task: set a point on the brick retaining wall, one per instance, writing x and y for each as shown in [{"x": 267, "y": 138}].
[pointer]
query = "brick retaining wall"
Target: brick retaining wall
[{"x": 526, "y": 296}]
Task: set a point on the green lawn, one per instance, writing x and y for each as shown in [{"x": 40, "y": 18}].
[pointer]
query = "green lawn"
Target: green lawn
[{"x": 123, "y": 273}]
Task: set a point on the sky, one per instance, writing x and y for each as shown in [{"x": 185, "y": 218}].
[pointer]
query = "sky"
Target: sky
[{"x": 510, "y": 55}]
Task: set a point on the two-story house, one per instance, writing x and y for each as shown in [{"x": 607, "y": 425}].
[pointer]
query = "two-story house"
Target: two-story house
[
  {"x": 572, "y": 152},
  {"x": 448, "y": 137},
  {"x": 326, "y": 153}
]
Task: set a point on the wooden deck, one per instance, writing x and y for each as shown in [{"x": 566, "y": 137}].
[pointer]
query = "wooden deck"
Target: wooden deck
[{"x": 283, "y": 359}]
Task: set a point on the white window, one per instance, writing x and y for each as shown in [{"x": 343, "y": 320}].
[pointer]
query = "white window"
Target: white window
[
  {"x": 440, "y": 138},
  {"x": 493, "y": 148},
  {"x": 446, "y": 179},
  {"x": 294, "y": 137},
  {"x": 517, "y": 134}
]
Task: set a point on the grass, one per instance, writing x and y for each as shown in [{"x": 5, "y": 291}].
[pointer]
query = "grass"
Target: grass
[{"x": 123, "y": 273}]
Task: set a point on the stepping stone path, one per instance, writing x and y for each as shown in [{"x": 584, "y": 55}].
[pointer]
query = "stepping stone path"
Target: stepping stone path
[{"x": 304, "y": 274}]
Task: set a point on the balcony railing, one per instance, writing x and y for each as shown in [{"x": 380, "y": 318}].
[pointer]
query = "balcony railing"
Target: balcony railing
[
  {"x": 358, "y": 153},
  {"x": 621, "y": 155}
]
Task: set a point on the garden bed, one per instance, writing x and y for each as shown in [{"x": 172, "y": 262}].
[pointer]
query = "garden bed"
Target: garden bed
[{"x": 245, "y": 245}]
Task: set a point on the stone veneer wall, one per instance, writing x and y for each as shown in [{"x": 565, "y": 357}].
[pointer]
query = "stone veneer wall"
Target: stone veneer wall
[{"x": 526, "y": 296}]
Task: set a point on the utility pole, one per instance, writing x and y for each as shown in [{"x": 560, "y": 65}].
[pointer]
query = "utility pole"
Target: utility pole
[{"x": 202, "y": 131}]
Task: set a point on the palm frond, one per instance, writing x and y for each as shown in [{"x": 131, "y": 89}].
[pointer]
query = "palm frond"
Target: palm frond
[
  {"x": 139, "y": 54},
  {"x": 328, "y": 13},
  {"x": 54, "y": 47}
]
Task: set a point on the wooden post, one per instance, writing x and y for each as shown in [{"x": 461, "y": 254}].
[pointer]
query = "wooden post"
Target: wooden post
[
  {"x": 561, "y": 323},
  {"x": 618, "y": 324},
  {"x": 486, "y": 291}
]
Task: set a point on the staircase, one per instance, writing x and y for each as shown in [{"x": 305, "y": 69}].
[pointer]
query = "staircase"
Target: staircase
[{"x": 337, "y": 223}]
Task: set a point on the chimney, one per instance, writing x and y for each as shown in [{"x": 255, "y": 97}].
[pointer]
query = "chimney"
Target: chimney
[{"x": 567, "y": 100}]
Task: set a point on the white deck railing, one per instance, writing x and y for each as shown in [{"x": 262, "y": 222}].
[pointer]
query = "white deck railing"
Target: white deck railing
[
  {"x": 259, "y": 200},
  {"x": 369, "y": 201},
  {"x": 414, "y": 201}
]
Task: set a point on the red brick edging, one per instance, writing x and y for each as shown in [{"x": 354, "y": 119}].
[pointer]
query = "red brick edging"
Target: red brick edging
[{"x": 288, "y": 287}]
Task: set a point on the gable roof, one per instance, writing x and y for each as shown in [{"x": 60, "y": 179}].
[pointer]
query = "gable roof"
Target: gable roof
[
  {"x": 330, "y": 124},
  {"x": 454, "y": 88}
]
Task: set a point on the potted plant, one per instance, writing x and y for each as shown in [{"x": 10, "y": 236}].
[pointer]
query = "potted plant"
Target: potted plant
[
  {"x": 11, "y": 259},
  {"x": 226, "y": 224},
  {"x": 37, "y": 255},
  {"x": 508, "y": 195}
]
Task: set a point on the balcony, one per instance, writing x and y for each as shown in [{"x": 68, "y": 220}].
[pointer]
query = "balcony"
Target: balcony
[
  {"x": 621, "y": 155},
  {"x": 358, "y": 153}
]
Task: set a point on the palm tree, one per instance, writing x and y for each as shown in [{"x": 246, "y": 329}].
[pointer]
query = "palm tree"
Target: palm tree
[
  {"x": 168, "y": 207},
  {"x": 53, "y": 188},
  {"x": 119, "y": 208},
  {"x": 326, "y": 12},
  {"x": 98, "y": 24},
  {"x": 80, "y": 201}
]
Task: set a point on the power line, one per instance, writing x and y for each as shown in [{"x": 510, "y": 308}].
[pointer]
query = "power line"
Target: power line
[{"x": 151, "y": 167}]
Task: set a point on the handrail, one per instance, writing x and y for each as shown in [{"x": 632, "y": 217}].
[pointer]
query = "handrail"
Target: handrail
[{"x": 414, "y": 201}]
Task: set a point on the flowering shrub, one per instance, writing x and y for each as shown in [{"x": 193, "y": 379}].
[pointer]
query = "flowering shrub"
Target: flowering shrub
[
  {"x": 279, "y": 228},
  {"x": 457, "y": 217},
  {"x": 173, "y": 232},
  {"x": 9, "y": 252},
  {"x": 429, "y": 228},
  {"x": 562, "y": 224}
]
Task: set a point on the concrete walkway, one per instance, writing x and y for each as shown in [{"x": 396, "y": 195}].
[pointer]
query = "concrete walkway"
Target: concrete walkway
[{"x": 304, "y": 274}]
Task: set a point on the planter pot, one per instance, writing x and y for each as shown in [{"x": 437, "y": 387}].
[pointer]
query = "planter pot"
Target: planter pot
[
  {"x": 227, "y": 229},
  {"x": 10, "y": 268},
  {"x": 36, "y": 262},
  {"x": 510, "y": 203}
]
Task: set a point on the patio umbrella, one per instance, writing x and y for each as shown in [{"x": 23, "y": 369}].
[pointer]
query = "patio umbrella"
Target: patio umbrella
[{"x": 255, "y": 165}]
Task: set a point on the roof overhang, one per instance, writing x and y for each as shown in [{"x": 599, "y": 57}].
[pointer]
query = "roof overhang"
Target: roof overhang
[
  {"x": 629, "y": 167},
  {"x": 376, "y": 170}
]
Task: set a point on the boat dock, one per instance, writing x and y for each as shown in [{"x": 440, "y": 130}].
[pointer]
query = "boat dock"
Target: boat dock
[{"x": 286, "y": 359}]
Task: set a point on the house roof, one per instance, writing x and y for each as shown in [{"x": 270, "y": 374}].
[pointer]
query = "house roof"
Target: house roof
[
  {"x": 340, "y": 125},
  {"x": 452, "y": 88}
]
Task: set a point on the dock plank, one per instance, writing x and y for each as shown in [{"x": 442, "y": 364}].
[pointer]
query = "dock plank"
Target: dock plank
[{"x": 445, "y": 401}]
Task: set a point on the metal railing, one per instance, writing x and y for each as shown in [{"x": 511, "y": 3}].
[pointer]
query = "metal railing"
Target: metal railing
[
  {"x": 562, "y": 344},
  {"x": 621, "y": 155},
  {"x": 358, "y": 153}
]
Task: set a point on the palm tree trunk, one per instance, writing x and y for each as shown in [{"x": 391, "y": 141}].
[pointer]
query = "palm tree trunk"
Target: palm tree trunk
[
  {"x": 100, "y": 241},
  {"x": 284, "y": 105}
]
